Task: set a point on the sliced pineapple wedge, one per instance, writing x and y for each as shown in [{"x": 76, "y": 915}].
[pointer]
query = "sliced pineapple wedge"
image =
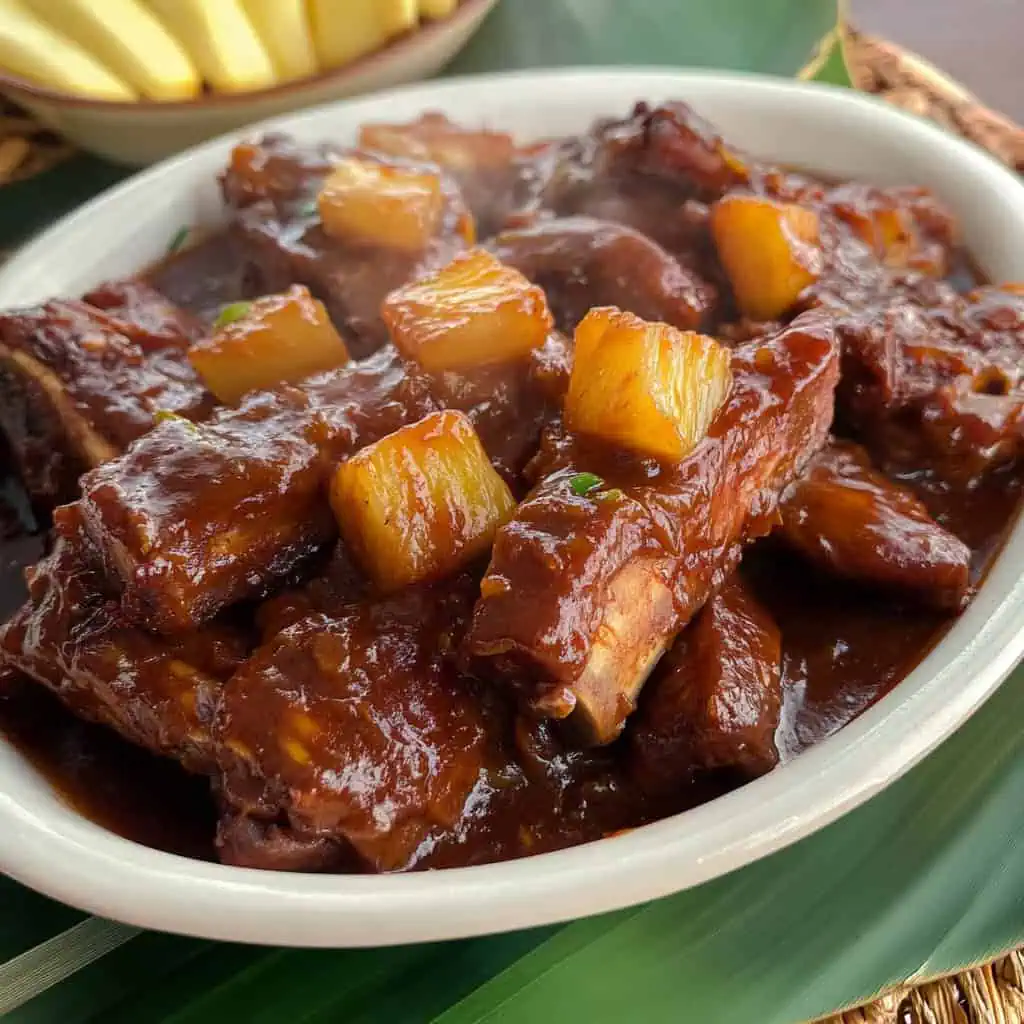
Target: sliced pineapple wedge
[
  {"x": 645, "y": 386},
  {"x": 31, "y": 48},
  {"x": 222, "y": 41},
  {"x": 472, "y": 312},
  {"x": 398, "y": 16},
  {"x": 345, "y": 32},
  {"x": 421, "y": 502},
  {"x": 130, "y": 41},
  {"x": 283, "y": 26},
  {"x": 435, "y": 9},
  {"x": 274, "y": 340}
]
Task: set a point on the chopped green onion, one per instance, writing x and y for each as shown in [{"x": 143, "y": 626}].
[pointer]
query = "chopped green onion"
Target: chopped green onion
[
  {"x": 231, "y": 312},
  {"x": 178, "y": 240},
  {"x": 612, "y": 494},
  {"x": 583, "y": 483},
  {"x": 165, "y": 415}
]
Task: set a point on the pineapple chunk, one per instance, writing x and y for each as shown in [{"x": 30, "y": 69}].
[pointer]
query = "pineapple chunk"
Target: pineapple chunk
[
  {"x": 421, "y": 502},
  {"x": 275, "y": 340},
  {"x": 645, "y": 386},
  {"x": 393, "y": 207},
  {"x": 283, "y": 28},
  {"x": 436, "y": 139},
  {"x": 472, "y": 312},
  {"x": 769, "y": 250}
]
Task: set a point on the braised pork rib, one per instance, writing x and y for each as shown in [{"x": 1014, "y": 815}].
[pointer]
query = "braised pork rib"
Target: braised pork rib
[{"x": 459, "y": 499}]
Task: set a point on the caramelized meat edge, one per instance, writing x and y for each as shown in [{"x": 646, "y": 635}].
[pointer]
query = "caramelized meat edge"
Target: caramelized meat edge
[
  {"x": 82, "y": 379},
  {"x": 714, "y": 701},
  {"x": 156, "y": 693},
  {"x": 196, "y": 517},
  {"x": 356, "y": 727},
  {"x": 849, "y": 519}
]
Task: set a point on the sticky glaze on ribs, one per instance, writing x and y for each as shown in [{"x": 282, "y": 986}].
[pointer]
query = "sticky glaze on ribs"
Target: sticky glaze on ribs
[
  {"x": 715, "y": 700},
  {"x": 378, "y": 739},
  {"x": 81, "y": 380},
  {"x": 651, "y": 625},
  {"x": 850, "y": 519},
  {"x": 71, "y": 637},
  {"x": 584, "y": 593},
  {"x": 196, "y": 517}
]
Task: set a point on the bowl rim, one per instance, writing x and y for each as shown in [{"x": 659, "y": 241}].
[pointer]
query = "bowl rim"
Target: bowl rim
[
  {"x": 56, "y": 850},
  {"x": 395, "y": 48}
]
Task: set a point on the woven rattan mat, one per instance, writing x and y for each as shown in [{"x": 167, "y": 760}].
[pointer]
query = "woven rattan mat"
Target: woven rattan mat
[{"x": 989, "y": 994}]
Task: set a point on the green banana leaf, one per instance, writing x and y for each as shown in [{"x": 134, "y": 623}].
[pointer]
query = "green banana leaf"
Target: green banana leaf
[
  {"x": 925, "y": 879},
  {"x": 774, "y": 36}
]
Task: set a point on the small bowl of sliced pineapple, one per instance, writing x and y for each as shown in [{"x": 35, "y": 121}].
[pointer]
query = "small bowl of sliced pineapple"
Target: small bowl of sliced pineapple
[{"x": 137, "y": 80}]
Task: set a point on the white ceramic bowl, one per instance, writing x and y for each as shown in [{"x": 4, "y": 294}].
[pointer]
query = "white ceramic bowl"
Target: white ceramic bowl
[
  {"x": 47, "y": 845},
  {"x": 145, "y": 131}
]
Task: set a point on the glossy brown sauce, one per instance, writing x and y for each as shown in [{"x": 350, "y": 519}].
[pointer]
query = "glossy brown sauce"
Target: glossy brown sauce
[{"x": 843, "y": 649}]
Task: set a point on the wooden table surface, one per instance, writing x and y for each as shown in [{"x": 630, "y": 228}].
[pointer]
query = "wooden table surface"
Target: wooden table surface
[{"x": 978, "y": 42}]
